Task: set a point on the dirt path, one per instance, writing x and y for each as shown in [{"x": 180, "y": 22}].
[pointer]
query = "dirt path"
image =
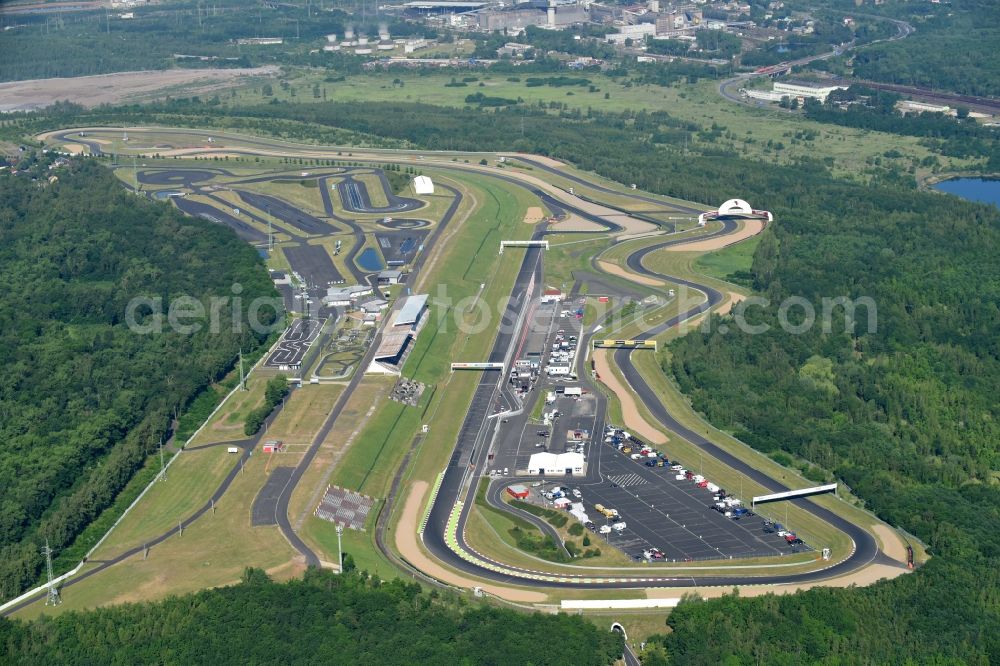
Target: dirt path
[
  {"x": 730, "y": 303},
  {"x": 533, "y": 215},
  {"x": 892, "y": 543},
  {"x": 406, "y": 542},
  {"x": 631, "y": 226},
  {"x": 123, "y": 86},
  {"x": 574, "y": 222},
  {"x": 634, "y": 420},
  {"x": 748, "y": 229},
  {"x": 867, "y": 576},
  {"x": 615, "y": 269}
]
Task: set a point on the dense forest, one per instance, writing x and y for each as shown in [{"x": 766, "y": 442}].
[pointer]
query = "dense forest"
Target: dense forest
[
  {"x": 868, "y": 109},
  {"x": 85, "y": 399},
  {"x": 324, "y": 619},
  {"x": 203, "y": 34},
  {"x": 948, "y": 52}
]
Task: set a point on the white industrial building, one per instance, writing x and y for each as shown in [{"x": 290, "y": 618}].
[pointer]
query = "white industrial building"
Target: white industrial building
[
  {"x": 423, "y": 185},
  {"x": 572, "y": 464},
  {"x": 344, "y": 296},
  {"x": 793, "y": 89}
]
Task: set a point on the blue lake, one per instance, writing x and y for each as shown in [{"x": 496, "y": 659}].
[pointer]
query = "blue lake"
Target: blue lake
[
  {"x": 984, "y": 190},
  {"x": 370, "y": 260}
]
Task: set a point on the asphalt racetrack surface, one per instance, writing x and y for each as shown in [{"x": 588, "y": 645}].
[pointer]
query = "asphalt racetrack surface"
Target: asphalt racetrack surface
[
  {"x": 265, "y": 505},
  {"x": 471, "y": 450},
  {"x": 179, "y": 177},
  {"x": 355, "y": 198},
  {"x": 287, "y": 213},
  {"x": 472, "y": 436},
  {"x": 244, "y": 230},
  {"x": 403, "y": 223},
  {"x": 865, "y": 547}
]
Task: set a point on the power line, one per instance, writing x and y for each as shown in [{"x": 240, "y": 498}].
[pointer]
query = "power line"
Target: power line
[{"x": 52, "y": 598}]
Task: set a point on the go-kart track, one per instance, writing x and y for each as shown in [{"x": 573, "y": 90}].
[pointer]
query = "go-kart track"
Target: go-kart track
[
  {"x": 443, "y": 535},
  {"x": 294, "y": 344}
]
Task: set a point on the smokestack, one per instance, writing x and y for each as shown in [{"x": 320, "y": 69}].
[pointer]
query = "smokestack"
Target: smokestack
[{"x": 551, "y": 14}]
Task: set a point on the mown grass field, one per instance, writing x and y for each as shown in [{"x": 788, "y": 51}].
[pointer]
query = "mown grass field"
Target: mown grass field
[
  {"x": 750, "y": 130},
  {"x": 212, "y": 551}
]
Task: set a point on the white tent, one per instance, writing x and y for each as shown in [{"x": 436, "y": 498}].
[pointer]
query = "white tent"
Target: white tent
[
  {"x": 551, "y": 463},
  {"x": 423, "y": 185}
]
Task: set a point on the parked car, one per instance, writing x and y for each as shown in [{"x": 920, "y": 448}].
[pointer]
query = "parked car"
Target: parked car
[
  {"x": 577, "y": 494},
  {"x": 650, "y": 463},
  {"x": 619, "y": 526},
  {"x": 605, "y": 529}
]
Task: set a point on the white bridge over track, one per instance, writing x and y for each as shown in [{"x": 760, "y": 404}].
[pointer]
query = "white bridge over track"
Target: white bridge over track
[
  {"x": 476, "y": 366},
  {"x": 792, "y": 494},
  {"x": 544, "y": 244}
]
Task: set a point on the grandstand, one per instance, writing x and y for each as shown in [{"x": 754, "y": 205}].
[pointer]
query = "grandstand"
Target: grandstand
[{"x": 345, "y": 507}]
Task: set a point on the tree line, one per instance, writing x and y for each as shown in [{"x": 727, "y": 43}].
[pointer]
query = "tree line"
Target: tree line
[
  {"x": 350, "y": 618},
  {"x": 85, "y": 399}
]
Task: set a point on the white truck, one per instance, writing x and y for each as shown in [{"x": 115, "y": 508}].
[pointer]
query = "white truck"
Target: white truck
[{"x": 573, "y": 391}]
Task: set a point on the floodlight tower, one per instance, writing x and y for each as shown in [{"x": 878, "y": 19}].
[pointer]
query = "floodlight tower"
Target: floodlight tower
[
  {"x": 243, "y": 378},
  {"x": 52, "y": 598},
  {"x": 340, "y": 550}
]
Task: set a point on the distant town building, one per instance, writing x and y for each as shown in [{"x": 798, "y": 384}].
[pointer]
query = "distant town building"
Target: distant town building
[
  {"x": 260, "y": 41},
  {"x": 800, "y": 90}
]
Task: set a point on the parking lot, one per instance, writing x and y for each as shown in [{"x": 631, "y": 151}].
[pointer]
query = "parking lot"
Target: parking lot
[
  {"x": 672, "y": 515},
  {"x": 314, "y": 264}
]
